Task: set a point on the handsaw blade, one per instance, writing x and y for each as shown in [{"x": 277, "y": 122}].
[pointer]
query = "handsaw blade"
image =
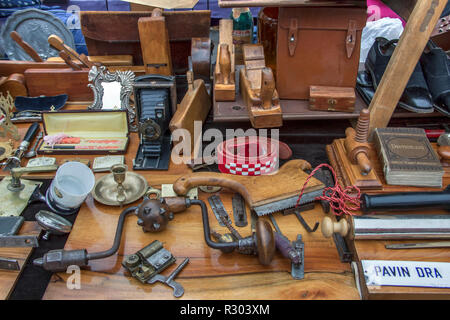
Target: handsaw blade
[{"x": 287, "y": 203}]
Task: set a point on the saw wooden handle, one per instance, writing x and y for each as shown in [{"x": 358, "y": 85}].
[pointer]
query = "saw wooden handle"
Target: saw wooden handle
[
  {"x": 59, "y": 44},
  {"x": 65, "y": 56},
  {"x": 256, "y": 190}
]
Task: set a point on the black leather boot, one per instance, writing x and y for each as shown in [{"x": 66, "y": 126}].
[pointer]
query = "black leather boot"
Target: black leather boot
[
  {"x": 436, "y": 68},
  {"x": 416, "y": 97}
]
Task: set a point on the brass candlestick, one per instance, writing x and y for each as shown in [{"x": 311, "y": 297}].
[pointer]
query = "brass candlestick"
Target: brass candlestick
[{"x": 119, "y": 172}]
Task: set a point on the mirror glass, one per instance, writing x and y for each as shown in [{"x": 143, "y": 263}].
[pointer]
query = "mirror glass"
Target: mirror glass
[{"x": 111, "y": 95}]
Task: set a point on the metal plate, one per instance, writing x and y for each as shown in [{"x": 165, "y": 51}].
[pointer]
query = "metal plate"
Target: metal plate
[
  {"x": 298, "y": 270},
  {"x": 218, "y": 209},
  {"x": 167, "y": 191},
  {"x": 18, "y": 241},
  {"x": 13, "y": 203},
  {"x": 239, "y": 210},
  {"x": 105, "y": 189},
  {"x": 10, "y": 225},
  {"x": 9, "y": 264},
  {"x": 34, "y": 26},
  {"x": 40, "y": 162}
]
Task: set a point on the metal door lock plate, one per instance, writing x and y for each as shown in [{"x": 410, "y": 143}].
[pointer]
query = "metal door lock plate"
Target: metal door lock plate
[{"x": 148, "y": 261}]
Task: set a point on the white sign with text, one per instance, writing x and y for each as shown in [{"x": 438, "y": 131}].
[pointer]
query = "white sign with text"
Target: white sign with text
[{"x": 406, "y": 273}]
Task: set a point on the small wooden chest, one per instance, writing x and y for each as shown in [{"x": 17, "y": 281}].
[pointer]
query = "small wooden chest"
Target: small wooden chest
[{"x": 332, "y": 98}]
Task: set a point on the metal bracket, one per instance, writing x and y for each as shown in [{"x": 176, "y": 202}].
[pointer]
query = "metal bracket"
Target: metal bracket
[
  {"x": 298, "y": 270},
  {"x": 239, "y": 210},
  {"x": 19, "y": 241},
  {"x": 297, "y": 211},
  {"x": 344, "y": 253},
  {"x": 9, "y": 264},
  {"x": 218, "y": 209},
  {"x": 148, "y": 261},
  {"x": 167, "y": 191}
]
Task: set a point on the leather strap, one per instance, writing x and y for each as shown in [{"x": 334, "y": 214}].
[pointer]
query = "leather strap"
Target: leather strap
[
  {"x": 350, "y": 41},
  {"x": 292, "y": 36}
]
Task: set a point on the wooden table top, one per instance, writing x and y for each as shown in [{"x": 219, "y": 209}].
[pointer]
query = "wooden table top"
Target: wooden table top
[{"x": 210, "y": 273}]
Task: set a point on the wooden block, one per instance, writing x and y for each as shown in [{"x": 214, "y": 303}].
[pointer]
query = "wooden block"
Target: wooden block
[
  {"x": 340, "y": 165},
  {"x": 51, "y": 82},
  {"x": 195, "y": 106},
  {"x": 201, "y": 58},
  {"x": 154, "y": 39},
  {"x": 115, "y": 60},
  {"x": 224, "y": 73},
  {"x": 332, "y": 98},
  {"x": 371, "y": 181},
  {"x": 14, "y": 84}
]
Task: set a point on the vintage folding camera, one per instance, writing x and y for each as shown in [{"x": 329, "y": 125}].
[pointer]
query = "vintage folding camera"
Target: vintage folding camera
[{"x": 156, "y": 101}]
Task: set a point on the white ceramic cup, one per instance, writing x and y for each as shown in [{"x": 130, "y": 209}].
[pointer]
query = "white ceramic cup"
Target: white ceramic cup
[{"x": 72, "y": 183}]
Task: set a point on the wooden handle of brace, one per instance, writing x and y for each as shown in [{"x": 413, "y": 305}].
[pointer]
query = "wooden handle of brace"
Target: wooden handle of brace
[
  {"x": 25, "y": 46},
  {"x": 329, "y": 227}
]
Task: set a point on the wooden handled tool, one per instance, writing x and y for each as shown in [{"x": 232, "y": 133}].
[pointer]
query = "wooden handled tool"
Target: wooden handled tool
[
  {"x": 58, "y": 44},
  {"x": 357, "y": 145},
  {"x": 25, "y": 46},
  {"x": 267, "y": 88},
  {"x": 265, "y": 194},
  {"x": 329, "y": 227},
  {"x": 66, "y": 57}
]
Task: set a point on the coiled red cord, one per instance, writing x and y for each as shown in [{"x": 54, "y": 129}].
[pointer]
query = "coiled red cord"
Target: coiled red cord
[{"x": 342, "y": 201}]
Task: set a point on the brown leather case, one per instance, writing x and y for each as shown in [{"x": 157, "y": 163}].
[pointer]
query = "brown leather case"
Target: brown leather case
[
  {"x": 116, "y": 33},
  {"x": 332, "y": 98},
  {"x": 317, "y": 46}
]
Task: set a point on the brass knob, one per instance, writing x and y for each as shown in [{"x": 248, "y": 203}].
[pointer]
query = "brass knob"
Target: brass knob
[{"x": 329, "y": 227}]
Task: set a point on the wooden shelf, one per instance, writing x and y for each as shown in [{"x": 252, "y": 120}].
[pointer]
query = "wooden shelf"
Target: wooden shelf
[
  {"x": 236, "y": 111},
  {"x": 289, "y": 3}
]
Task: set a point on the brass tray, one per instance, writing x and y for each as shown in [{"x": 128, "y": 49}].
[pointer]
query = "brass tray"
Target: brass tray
[{"x": 105, "y": 189}]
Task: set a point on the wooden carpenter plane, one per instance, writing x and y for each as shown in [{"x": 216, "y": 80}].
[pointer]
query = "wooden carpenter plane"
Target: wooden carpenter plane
[{"x": 257, "y": 86}]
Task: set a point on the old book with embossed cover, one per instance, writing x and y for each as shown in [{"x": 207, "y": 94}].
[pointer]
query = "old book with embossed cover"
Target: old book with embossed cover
[{"x": 408, "y": 157}]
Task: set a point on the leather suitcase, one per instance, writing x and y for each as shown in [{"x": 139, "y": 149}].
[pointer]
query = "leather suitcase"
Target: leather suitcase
[{"x": 317, "y": 46}]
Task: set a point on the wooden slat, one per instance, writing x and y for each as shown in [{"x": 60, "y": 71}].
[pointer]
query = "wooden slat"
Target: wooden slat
[
  {"x": 210, "y": 274},
  {"x": 403, "y": 61}
]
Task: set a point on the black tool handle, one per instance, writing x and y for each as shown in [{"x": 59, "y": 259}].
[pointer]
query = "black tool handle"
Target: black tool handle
[
  {"x": 406, "y": 201},
  {"x": 31, "y": 133}
]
